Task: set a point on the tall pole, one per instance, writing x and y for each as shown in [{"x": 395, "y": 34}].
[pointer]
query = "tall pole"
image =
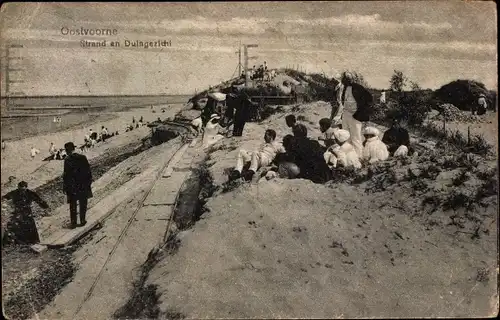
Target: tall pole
[
  {"x": 239, "y": 60},
  {"x": 247, "y": 74}
]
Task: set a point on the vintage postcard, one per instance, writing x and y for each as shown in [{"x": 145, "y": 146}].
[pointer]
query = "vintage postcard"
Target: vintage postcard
[{"x": 246, "y": 160}]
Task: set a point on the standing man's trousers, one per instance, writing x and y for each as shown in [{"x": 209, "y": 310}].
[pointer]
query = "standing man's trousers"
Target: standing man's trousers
[
  {"x": 83, "y": 208},
  {"x": 354, "y": 127},
  {"x": 239, "y": 124}
]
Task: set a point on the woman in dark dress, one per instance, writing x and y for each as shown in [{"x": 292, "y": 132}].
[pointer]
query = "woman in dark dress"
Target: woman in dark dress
[{"x": 21, "y": 229}]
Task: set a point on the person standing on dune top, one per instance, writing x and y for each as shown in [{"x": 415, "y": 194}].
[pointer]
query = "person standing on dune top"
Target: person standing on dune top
[
  {"x": 357, "y": 101},
  {"x": 77, "y": 180},
  {"x": 243, "y": 108}
]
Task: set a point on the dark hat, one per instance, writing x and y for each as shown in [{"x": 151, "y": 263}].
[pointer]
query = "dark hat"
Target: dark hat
[
  {"x": 69, "y": 146},
  {"x": 22, "y": 184}
]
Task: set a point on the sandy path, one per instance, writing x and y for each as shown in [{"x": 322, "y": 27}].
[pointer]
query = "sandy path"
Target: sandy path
[{"x": 18, "y": 152}]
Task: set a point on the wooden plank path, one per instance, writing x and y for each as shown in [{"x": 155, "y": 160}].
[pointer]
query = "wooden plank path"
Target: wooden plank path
[
  {"x": 104, "y": 208},
  {"x": 162, "y": 193}
]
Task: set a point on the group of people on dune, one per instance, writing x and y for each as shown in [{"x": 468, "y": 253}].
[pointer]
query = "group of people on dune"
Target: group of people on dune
[
  {"x": 346, "y": 140},
  {"x": 343, "y": 143},
  {"x": 299, "y": 156}
]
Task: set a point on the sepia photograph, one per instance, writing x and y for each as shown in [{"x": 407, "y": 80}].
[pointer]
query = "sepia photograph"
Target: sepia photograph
[{"x": 249, "y": 160}]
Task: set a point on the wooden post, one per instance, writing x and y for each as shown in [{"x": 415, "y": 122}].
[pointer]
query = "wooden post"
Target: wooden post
[{"x": 468, "y": 135}]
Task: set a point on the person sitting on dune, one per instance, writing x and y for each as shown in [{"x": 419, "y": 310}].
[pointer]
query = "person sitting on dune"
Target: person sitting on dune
[
  {"x": 211, "y": 133},
  {"x": 262, "y": 157},
  {"x": 342, "y": 153},
  {"x": 327, "y": 132},
  {"x": 197, "y": 125},
  {"x": 397, "y": 139},
  {"x": 308, "y": 155},
  {"x": 374, "y": 149}
]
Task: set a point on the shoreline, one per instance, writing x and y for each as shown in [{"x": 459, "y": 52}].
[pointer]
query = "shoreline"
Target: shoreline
[{"x": 17, "y": 136}]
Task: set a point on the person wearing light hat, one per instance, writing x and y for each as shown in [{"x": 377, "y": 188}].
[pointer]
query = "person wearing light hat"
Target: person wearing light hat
[
  {"x": 374, "y": 149},
  {"x": 342, "y": 154},
  {"x": 211, "y": 133}
]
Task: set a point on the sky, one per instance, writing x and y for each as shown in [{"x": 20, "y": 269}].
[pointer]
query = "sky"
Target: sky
[{"x": 433, "y": 43}]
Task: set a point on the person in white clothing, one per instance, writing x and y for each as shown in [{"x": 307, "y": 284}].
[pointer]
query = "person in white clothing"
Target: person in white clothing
[
  {"x": 34, "y": 151},
  {"x": 374, "y": 149},
  {"x": 197, "y": 125},
  {"x": 211, "y": 133},
  {"x": 382, "y": 97},
  {"x": 327, "y": 132},
  {"x": 262, "y": 157},
  {"x": 52, "y": 150},
  {"x": 342, "y": 154}
]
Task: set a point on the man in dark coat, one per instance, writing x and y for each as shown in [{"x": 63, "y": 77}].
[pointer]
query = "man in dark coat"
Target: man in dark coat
[
  {"x": 208, "y": 110},
  {"x": 77, "y": 180},
  {"x": 21, "y": 228},
  {"x": 243, "y": 107}
]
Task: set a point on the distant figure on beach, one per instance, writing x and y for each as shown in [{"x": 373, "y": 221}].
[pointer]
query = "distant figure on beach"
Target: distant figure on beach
[
  {"x": 21, "y": 228},
  {"x": 58, "y": 119},
  {"x": 104, "y": 134},
  {"x": 52, "y": 150},
  {"x": 133, "y": 120},
  {"x": 77, "y": 180},
  {"x": 55, "y": 120},
  {"x": 34, "y": 151},
  {"x": 93, "y": 135}
]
